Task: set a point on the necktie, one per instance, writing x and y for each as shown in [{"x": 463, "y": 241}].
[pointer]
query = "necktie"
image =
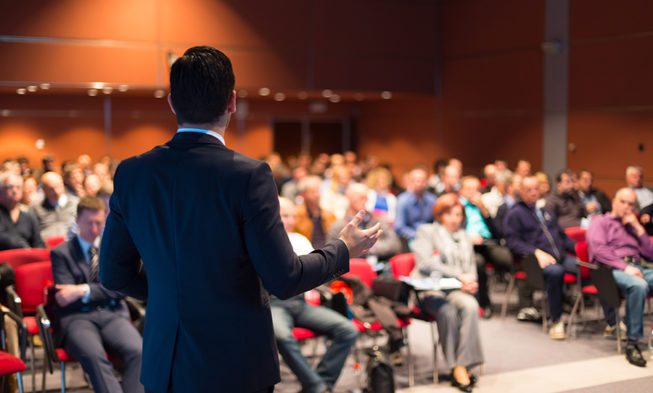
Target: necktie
[{"x": 94, "y": 257}]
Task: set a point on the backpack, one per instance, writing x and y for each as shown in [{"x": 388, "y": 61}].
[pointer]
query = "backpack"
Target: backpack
[{"x": 380, "y": 375}]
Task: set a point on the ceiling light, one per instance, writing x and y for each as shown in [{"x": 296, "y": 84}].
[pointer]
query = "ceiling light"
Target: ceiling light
[
  {"x": 123, "y": 88},
  {"x": 45, "y": 86},
  {"x": 242, "y": 93},
  {"x": 92, "y": 92},
  {"x": 279, "y": 97},
  {"x": 264, "y": 91},
  {"x": 386, "y": 95},
  {"x": 97, "y": 85},
  {"x": 160, "y": 93},
  {"x": 21, "y": 91},
  {"x": 32, "y": 88},
  {"x": 107, "y": 90},
  {"x": 326, "y": 93},
  {"x": 334, "y": 98}
]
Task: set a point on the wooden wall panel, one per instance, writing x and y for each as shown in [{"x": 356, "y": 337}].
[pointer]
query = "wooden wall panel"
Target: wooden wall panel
[{"x": 592, "y": 19}]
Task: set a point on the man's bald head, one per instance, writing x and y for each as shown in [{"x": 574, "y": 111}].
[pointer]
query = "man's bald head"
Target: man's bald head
[
  {"x": 357, "y": 196},
  {"x": 53, "y": 187},
  {"x": 624, "y": 202}
]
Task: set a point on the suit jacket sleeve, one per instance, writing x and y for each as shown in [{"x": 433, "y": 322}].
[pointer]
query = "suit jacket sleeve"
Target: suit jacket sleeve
[
  {"x": 124, "y": 274},
  {"x": 283, "y": 273}
]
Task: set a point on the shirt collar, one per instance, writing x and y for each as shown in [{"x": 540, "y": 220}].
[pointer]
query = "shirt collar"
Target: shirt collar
[
  {"x": 84, "y": 245},
  {"x": 203, "y": 131}
]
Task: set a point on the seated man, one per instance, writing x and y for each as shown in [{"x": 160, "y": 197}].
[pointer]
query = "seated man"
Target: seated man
[
  {"x": 93, "y": 320},
  {"x": 635, "y": 180},
  {"x": 18, "y": 229},
  {"x": 618, "y": 240},
  {"x": 595, "y": 200},
  {"x": 530, "y": 230},
  {"x": 566, "y": 204},
  {"x": 292, "y": 312},
  {"x": 56, "y": 211},
  {"x": 312, "y": 221},
  {"x": 480, "y": 229},
  {"x": 388, "y": 244},
  {"x": 414, "y": 206}
]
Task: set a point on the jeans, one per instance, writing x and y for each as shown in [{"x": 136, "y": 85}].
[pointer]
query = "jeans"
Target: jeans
[
  {"x": 287, "y": 314},
  {"x": 635, "y": 289}
]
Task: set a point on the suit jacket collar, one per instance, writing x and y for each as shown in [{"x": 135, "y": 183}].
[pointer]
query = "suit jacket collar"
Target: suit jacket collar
[
  {"x": 78, "y": 258},
  {"x": 182, "y": 139}
]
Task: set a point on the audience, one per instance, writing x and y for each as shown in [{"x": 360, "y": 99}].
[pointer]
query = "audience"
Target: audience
[
  {"x": 493, "y": 198},
  {"x": 92, "y": 319},
  {"x": 312, "y": 221},
  {"x": 523, "y": 168},
  {"x": 456, "y": 311},
  {"x": 18, "y": 228},
  {"x": 489, "y": 177},
  {"x": 618, "y": 240},
  {"x": 332, "y": 196},
  {"x": 295, "y": 312},
  {"x": 566, "y": 204},
  {"x": 414, "y": 206},
  {"x": 56, "y": 211},
  {"x": 510, "y": 199},
  {"x": 531, "y": 230},
  {"x": 480, "y": 229},
  {"x": 450, "y": 180}
]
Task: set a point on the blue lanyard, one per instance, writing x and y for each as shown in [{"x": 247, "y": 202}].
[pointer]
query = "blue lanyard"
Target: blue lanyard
[{"x": 203, "y": 131}]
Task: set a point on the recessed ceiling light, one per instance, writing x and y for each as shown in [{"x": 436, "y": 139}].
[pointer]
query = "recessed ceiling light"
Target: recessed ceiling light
[
  {"x": 242, "y": 93},
  {"x": 92, "y": 92},
  {"x": 107, "y": 90},
  {"x": 97, "y": 85},
  {"x": 160, "y": 93},
  {"x": 264, "y": 91},
  {"x": 123, "y": 88},
  {"x": 45, "y": 86},
  {"x": 326, "y": 93},
  {"x": 279, "y": 97},
  {"x": 32, "y": 88},
  {"x": 334, "y": 98},
  {"x": 21, "y": 91},
  {"x": 386, "y": 95}
]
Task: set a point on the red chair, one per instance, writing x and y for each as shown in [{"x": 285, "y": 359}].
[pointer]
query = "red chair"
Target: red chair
[
  {"x": 583, "y": 278},
  {"x": 26, "y": 294},
  {"x": 10, "y": 364},
  {"x": 54, "y": 241},
  {"x": 21, "y": 256},
  {"x": 577, "y": 234}
]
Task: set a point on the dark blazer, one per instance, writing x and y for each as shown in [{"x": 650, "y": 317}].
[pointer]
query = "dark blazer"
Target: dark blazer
[
  {"x": 69, "y": 266},
  {"x": 205, "y": 221}
]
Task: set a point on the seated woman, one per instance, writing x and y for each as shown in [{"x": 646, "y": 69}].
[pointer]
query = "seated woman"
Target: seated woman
[{"x": 456, "y": 311}]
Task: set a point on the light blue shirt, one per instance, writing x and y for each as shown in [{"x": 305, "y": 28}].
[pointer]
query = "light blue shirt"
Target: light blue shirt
[
  {"x": 475, "y": 223},
  {"x": 204, "y": 131}
]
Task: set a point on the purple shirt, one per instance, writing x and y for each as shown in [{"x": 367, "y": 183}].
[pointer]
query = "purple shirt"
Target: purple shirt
[{"x": 608, "y": 241}]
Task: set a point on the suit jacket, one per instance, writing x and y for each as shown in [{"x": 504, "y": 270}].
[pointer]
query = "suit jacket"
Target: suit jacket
[
  {"x": 205, "y": 221},
  {"x": 70, "y": 266}
]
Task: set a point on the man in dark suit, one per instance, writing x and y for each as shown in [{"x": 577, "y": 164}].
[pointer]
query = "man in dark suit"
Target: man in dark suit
[
  {"x": 92, "y": 319},
  {"x": 205, "y": 221}
]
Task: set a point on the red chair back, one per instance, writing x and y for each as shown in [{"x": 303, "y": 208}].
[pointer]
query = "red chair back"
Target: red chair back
[
  {"x": 31, "y": 281},
  {"x": 576, "y": 234},
  {"x": 359, "y": 267},
  {"x": 402, "y": 264},
  {"x": 21, "y": 256},
  {"x": 583, "y": 255},
  {"x": 54, "y": 241}
]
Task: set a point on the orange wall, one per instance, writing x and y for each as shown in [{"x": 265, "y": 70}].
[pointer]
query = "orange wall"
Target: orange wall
[{"x": 610, "y": 88}]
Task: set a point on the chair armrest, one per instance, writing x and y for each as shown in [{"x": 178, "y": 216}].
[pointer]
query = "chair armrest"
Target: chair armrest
[
  {"x": 14, "y": 301},
  {"x": 586, "y": 264},
  {"x": 21, "y": 327},
  {"x": 45, "y": 331}
]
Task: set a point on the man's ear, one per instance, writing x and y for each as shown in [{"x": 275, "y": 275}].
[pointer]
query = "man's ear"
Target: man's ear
[
  {"x": 172, "y": 108},
  {"x": 231, "y": 105}
]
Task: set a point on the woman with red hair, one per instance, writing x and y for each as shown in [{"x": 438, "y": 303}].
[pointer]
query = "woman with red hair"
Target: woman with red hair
[{"x": 442, "y": 249}]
